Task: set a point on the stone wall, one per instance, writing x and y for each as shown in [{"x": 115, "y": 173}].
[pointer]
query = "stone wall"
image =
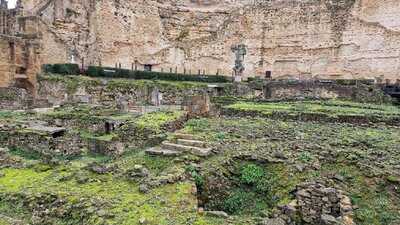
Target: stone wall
[
  {"x": 295, "y": 90},
  {"x": 7, "y": 19},
  {"x": 14, "y": 98},
  {"x": 290, "y": 38},
  {"x": 131, "y": 93},
  {"x": 20, "y": 60},
  {"x": 15, "y": 137},
  {"x": 6, "y": 70}
]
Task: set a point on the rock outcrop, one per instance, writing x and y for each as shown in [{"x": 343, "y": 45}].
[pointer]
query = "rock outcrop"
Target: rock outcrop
[{"x": 288, "y": 38}]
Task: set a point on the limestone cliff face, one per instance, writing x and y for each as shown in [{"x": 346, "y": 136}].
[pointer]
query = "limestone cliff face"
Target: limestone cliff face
[{"x": 291, "y": 38}]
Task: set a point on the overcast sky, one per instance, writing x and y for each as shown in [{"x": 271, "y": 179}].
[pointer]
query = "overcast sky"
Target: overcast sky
[{"x": 11, "y": 3}]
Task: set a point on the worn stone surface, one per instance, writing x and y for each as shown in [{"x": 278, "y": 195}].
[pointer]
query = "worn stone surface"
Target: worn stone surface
[
  {"x": 197, "y": 105},
  {"x": 293, "y": 38},
  {"x": 276, "y": 221}
]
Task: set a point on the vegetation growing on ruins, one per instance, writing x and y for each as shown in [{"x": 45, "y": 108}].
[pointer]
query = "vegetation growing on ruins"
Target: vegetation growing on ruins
[
  {"x": 152, "y": 75},
  {"x": 253, "y": 171},
  {"x": 157, "y": 120},
  {"x": 330, "y": 111},
  {"x": 108, "y": 72},
  {"x": 259, "y": 160},
  {"x": 126, "y": 85},
  {"x": 331, "y": 107},
  {"x": 71, "y": 82},
  {"x": 360, "y": 160}
]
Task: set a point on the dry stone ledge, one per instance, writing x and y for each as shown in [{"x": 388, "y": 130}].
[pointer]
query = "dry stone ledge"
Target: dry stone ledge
[
  {"x": 47, "y": 129},
  {"x": 274, "y": 221},
  {"x": 186, "y": 148},
  {"x": 38, "y": 137},
  {"x": 163, "y": 152},
  {"x": 195, "y": 143},
  {"x": 320, "y": 205},
  {"x": 185, "y": 143}
]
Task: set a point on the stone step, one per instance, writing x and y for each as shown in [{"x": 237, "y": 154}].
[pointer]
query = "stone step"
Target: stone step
[
  {"x": 175, "y": 147},
  {"x": 163, "y": 152},
  {"x": 201, "y": 151},
  {"x": 194, "y": 143},
  {"x": 186, "y": 136},
  {"x": 184, "y": 148}
]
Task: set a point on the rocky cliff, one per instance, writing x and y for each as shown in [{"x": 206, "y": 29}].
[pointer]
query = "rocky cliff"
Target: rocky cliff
[{"x": 290, "y": 38}]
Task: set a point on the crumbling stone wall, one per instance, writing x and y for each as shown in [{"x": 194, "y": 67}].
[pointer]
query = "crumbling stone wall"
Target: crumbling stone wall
[
  {"x": 19, "y": 62},
  {"x": 96, "y": 92},
  {"x": 6, "y": 71},
  {"x": 19, "y": 49},
  {"x": 292, "y": 90},
  {"x": 7, "y": 18},
  {"x": 293, "y": 38},
  {"x": 197, "y": 105},
  {"x": 14, "y": 98},
  {"x": 20, "y": 138},
  {"x": 320, "y": 205}
]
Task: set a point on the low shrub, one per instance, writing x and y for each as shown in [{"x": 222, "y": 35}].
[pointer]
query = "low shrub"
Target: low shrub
[
  {"x": 352, "y": 82},
  {"x": 64, "y": 69},
  {"x": 251, "y": 174},
  {"x": 198, "y": 178},
  {"x": 94, "y": 71},
  {"x": 238, "y": 201}
]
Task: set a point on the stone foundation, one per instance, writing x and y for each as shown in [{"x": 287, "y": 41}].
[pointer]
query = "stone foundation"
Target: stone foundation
[
  {"x": 126, "y": 95},
  {"x": 14, "y": 98},
  {"x": 33, "y": 140}
]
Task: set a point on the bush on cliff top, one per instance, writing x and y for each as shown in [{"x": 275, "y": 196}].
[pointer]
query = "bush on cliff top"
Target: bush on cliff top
[
  {"x": 94, "y": 71},
  {"x": 65, "y": 69}
]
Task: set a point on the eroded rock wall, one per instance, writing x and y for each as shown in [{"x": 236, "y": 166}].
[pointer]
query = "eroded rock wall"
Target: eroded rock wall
[
  {"x": 19, "y": 49},
  {"x": 290, "y": 38}
]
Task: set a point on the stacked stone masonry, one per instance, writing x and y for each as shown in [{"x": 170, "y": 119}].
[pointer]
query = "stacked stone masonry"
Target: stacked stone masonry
[
  {"x": 322, "y": 205},
  {"x": 19, "y": 48}
]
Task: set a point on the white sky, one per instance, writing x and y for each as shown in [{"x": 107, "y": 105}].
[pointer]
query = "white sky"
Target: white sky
[{"x": 11, "y": 3}]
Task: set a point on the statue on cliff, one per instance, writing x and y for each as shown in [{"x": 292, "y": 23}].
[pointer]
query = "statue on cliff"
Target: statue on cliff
[
  {"x": 3, "y": 4},
  {"x": 240, "y": 51}
]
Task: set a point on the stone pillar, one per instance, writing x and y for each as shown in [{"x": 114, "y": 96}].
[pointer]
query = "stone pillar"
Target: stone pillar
[
  {"x": 156, "y": 97},
  {"x": 197, "y": 105},
  {"x": 1, "y": 21},
  {"x": 3, "y": 4}
]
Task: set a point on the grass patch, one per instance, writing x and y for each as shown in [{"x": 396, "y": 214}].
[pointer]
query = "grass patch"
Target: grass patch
[
  {"x": 155, "y": 120},
  {"x": 329, "y": 107},
  {"x": 29, "y": 155}
]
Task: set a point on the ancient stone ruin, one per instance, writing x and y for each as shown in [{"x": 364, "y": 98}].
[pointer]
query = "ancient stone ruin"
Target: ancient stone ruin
[
  {"x": 20, "y": 48},
  {"x": 292, "y": 39},
  {"x": 318, "y": 204},
  {"x": 200, "y": 112}
]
